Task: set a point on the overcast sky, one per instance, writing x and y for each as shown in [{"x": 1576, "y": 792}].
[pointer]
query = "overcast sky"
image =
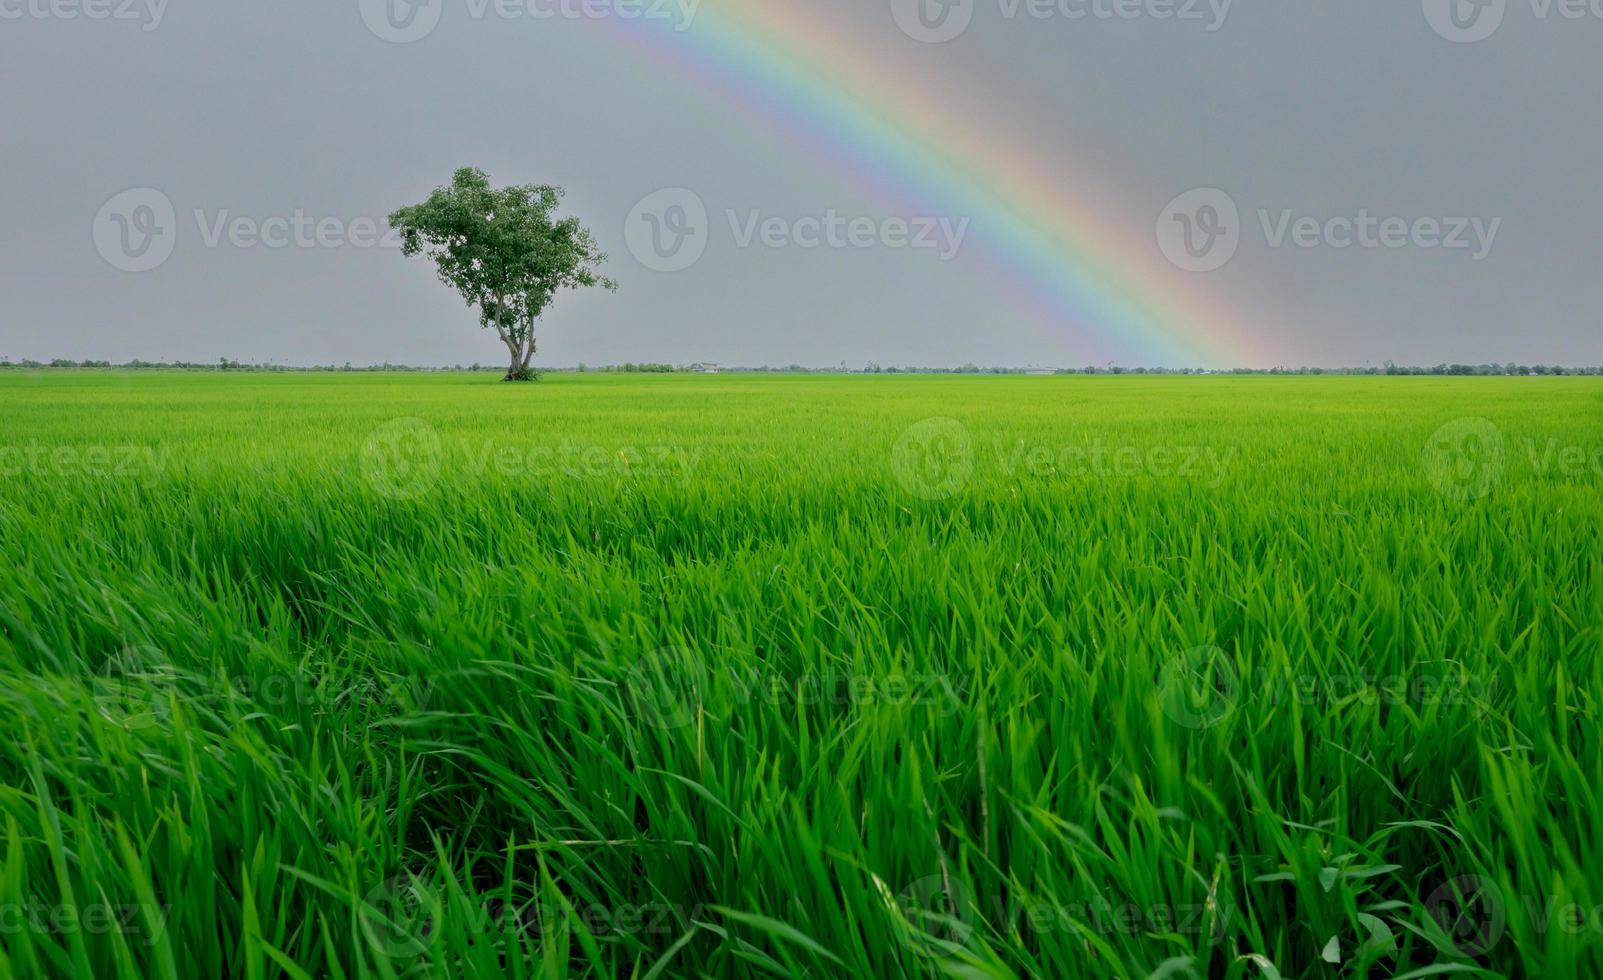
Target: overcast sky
[{"x": 338, "y": 111}]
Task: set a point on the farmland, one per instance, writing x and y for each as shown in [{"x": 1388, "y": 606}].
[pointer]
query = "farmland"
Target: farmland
[{"x": 613, "y": 675}]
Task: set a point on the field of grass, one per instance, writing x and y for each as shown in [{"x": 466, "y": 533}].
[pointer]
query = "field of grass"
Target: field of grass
[{"x": 424, "y": 675}]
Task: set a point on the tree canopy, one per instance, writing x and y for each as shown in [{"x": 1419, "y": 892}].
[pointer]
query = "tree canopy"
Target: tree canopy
[{"x": 505, "y": 250}]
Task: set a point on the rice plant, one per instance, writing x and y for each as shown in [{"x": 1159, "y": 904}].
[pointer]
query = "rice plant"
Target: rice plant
[{"x": 738, "y": 676}]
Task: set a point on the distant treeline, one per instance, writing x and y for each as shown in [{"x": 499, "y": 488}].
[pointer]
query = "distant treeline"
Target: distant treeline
[
  {"x": 226, "y": 364},
  {"x": 1440, "y": 370}
]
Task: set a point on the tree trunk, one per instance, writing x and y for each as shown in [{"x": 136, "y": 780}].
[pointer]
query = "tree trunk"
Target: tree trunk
[
  {"x": 515, "y": 368},
  {"x": 522, "y": 354}
]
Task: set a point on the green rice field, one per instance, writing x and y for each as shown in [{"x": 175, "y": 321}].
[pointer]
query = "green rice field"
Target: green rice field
[{"x": 422, "y": 675}]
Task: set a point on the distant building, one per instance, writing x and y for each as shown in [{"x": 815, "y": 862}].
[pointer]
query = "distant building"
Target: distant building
[{"x": 706, "y": 368}]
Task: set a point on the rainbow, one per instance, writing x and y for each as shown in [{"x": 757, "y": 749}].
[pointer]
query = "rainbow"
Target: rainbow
[{"x": 1050, "y": 249}]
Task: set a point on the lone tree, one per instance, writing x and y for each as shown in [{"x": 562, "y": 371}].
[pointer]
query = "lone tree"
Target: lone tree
[{"x": 505, "y": 251}]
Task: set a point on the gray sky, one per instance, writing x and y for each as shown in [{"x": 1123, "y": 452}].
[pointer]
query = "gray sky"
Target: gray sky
[{"x": 1292, "y": 110}]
